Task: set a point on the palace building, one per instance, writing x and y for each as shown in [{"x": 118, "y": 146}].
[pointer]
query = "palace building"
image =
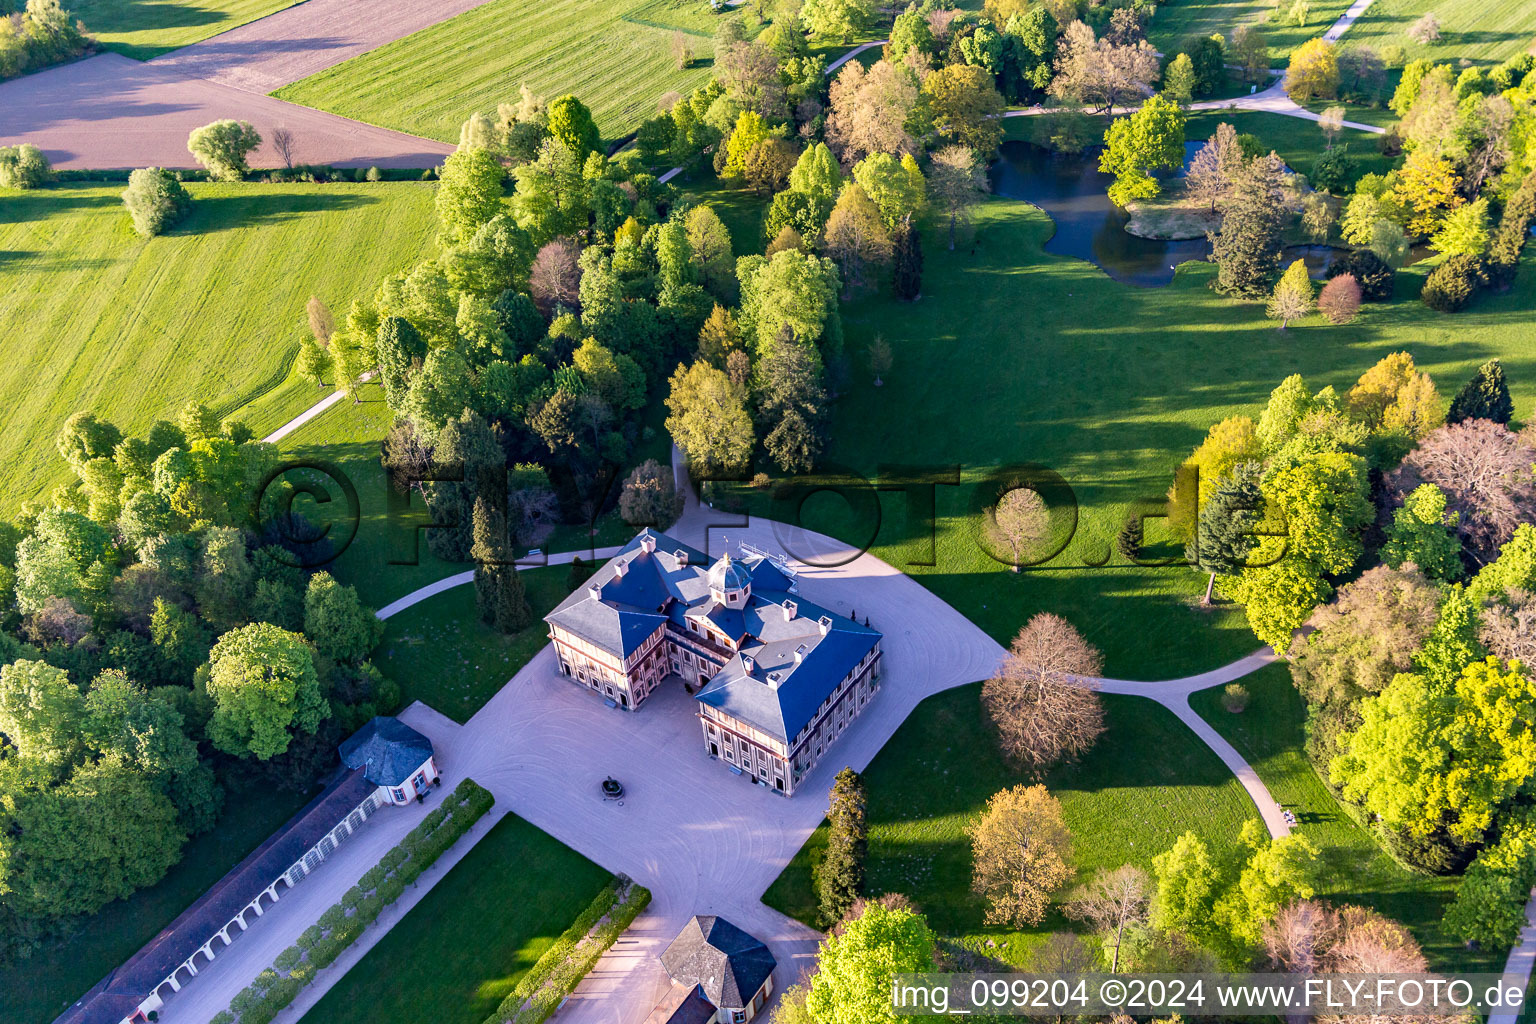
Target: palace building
[{"x": 778, "y": 678}]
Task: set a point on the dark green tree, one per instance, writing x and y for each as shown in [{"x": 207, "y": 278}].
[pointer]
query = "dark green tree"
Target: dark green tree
[
  {"x": 336, "y": 622},
  {"x": 1225, "y": 535},
  {"x": 1484, "y": 397},
  {"x": 908, "y": 263},
  {"x": 840, "y": 873},
  {"x": 499, "y": 593},
  {"x": 467, "y": 450},
  {"x": 1247, "y": 248},
  {"x": 401, "y": 348}
]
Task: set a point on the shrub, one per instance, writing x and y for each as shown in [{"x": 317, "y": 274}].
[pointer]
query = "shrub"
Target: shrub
[
  {"x": 391, "y": 890},
  {"x": 374, "y": 174},
  {"x": 24, "y": 166},
  {"x": 1235, "y": 698},
  {"x": 1340, "y": 300},
  {"x": 1375, "y": 278},
  {"x": 1333, "y": 171},
  {"x": 1129, "y": 540},
  {"x": 1450, "y": 286},
  {"x": 155, "y": 199},
  {"x": 223, "y": 147}
]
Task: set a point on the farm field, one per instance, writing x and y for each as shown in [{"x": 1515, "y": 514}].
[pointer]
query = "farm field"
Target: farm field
[
  {"x": 1146, "y": 782},
  {"x": 462, "y": 948},
  {"x": 615, "y": 56},
  {"x": 94, "y": 317},
  {"x": 145, "y": 29},
  {"x": 1270, "y": 734},
  {"x": 1178, "y": 20},
  {"x": 1111, "y": 386},
  {"x": 42, "y": 986},
  {"x": 1480, "y": 31}
]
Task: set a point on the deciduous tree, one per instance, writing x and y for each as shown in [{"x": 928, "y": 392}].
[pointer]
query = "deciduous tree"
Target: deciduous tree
[
  {"x": 708, "y": 418},
  {"x": 1313, "y": 72},
  {"x": 1021, "y": 849},
  {"x": 264, "y": 689},
  {"x": 1041, "y": 700},
  {"x": 223, "y": 148}
]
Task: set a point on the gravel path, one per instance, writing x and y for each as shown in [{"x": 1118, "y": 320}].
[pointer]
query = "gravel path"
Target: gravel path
[{"x": 1272, "y": 100}]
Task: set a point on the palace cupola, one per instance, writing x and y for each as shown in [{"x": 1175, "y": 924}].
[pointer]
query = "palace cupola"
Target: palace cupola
[{"x": 729, "y": 583}]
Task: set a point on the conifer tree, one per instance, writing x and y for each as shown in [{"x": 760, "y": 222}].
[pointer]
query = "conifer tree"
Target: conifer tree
[
  {"x": 908, "y": 282},
  {"x": 1292, "y": 297},
  {"x": 840, "y": 875},
  {"x": 1247, "y": 248},
  {"x": 499, "y": 593},
  {"x": 1225, "y": 536},
  {"x": 1484, "y": 397}
]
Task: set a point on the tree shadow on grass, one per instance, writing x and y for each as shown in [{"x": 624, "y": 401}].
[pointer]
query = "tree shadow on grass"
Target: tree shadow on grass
[{"x": 211, "y": 214}]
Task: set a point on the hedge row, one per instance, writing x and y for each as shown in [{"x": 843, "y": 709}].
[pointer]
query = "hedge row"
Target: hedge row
[
  {"x": 269, "y": 177},
  {"x": 340, "y": 925},
  {"x": 573, "y": 954}
]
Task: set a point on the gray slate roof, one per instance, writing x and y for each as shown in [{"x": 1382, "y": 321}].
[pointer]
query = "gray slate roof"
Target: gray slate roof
[
  {"x": 725, "y": 962},
  {"x": 778, "y": 694},
  {"x": 387, "y": 750}
]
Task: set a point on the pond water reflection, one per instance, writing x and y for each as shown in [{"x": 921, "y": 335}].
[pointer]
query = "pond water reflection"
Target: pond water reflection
[{"x": 1090, "y": 227}]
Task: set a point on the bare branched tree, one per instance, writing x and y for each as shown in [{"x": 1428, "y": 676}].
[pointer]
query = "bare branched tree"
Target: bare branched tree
[
  {"x": 1021, "y": 521},
  {"x": 1041, "y": 700},
  {"x": 1112, "y": 900},
  {"x": 282, "y": 141},
  {"x": 1485, "y": 472},
  {"x": 555, "y": 279},
  {"x": 1508, "y": 627}
]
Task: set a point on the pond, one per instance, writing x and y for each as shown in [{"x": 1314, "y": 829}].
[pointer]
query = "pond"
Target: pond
[{"x": 1090, "y": 227}]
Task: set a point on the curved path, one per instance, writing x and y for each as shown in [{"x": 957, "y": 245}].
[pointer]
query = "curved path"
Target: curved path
[{"x": 1274, "y": 99}]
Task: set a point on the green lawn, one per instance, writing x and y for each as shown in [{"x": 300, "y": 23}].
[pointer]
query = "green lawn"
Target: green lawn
[
  {"x": 1479, "y": 31},
  {"x": 94, "y": 317},
  {"x": 440, "y": 652},
  {"x": 1178, "y": 20},
  {"x": 144, "y": 29},
  {"x": 615, "y": 56},
  {"x": 461, "y": 949},
  {"x": 1298, "y": 141},
  {"x": 1014, "y": 355},
  {"x": 40, "y": 988},
  {"x": 1140, "y": 788},
  {"x": 1270, "y": 735},
  {"x": 1147, "y": 782}
]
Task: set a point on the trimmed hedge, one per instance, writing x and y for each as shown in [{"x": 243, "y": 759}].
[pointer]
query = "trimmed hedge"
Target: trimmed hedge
[
  {"x": 341, "y": 924},
  {"x": 557, "y": 973}
]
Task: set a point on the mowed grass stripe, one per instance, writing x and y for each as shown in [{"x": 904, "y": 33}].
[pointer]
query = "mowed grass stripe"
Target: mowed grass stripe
[
  {"x": 1481, "y": 31},
  {"x": 145, "y": 29},
  {"x": 94, "y": 317},
  {"x": 429, "y": 82},
  {"x": 1180, "y": 20}
]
